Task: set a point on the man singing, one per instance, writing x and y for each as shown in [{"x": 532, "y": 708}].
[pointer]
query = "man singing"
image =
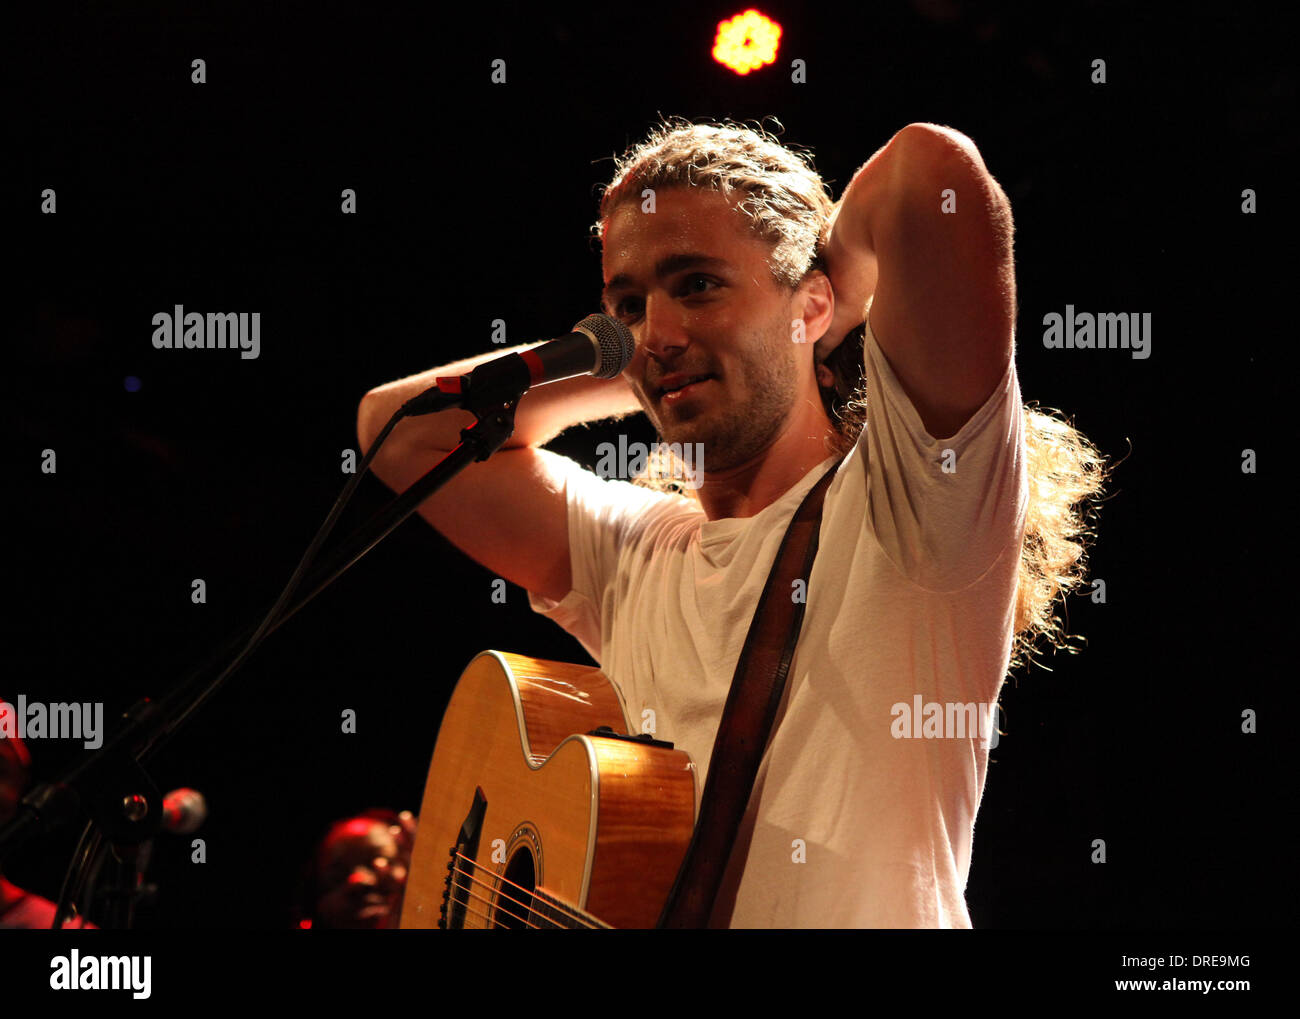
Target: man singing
[{"x": 951, "y": 526}]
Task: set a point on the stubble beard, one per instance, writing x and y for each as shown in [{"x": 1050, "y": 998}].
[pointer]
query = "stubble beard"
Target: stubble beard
[{"x": 733, "y": 434}]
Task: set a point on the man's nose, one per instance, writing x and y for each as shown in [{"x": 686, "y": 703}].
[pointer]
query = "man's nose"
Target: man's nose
[
  {"x": 362, "y": 875},
  {"x": 388, "y": 872},
  {"x": 663, "y": 329}
]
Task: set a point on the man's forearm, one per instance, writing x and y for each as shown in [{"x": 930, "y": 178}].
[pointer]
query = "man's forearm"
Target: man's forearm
[
  {"x": 850, "y": 251},
  {"x": 542, "y": 414}
]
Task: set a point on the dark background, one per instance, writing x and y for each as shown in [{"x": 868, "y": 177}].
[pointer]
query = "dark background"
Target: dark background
[{"x": 473, "y": 204}]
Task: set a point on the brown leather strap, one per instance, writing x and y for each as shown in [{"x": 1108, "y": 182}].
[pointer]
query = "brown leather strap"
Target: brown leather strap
[{"x": 752, "y": 703}]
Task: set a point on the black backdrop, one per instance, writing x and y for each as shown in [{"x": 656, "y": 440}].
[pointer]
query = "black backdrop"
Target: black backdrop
[{"x": 473, "y": 202}]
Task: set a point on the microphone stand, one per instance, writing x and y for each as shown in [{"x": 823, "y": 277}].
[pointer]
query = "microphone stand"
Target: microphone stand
[{"x": 110, "y": 787}]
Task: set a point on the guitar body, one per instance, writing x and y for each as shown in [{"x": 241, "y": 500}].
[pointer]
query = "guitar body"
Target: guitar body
[{"x": 528, "y": 822}]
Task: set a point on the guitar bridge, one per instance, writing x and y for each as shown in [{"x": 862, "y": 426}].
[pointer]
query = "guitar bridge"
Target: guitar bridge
[{"x": 461, "y": 867}]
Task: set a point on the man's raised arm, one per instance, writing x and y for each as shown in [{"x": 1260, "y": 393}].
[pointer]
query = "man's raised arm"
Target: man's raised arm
[
  {"x": 509, "y": 512},
  {"x": 926, "y": 227}
]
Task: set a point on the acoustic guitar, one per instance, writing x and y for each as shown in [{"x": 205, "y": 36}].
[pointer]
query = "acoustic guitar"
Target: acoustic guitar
[{"x": 541, "y": 811}]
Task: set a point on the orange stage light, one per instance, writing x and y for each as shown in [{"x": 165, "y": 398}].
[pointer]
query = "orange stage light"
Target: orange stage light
[{"x": 747, "y": 42}]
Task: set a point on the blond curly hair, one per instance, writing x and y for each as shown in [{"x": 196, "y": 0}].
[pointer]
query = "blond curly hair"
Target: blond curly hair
[{"x": 788, "y": 204}]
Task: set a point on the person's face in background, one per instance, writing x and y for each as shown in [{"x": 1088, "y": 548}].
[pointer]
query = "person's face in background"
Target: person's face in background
[{"x": 363, "y": 864}]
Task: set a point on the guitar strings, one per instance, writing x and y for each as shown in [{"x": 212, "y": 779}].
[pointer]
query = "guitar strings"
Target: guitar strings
[
  {"x": 554, "y": 906},
  {"x": 531, "y": 909},
  {"x": 474, "y": 877},
  {"x": 491, "y": 920},
  {"x": 483, "y": 914},
  {"x": 501, "y": 909},
  {"x": 576, "y": 914}
]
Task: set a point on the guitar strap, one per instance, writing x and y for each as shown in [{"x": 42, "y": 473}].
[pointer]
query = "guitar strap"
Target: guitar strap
[{"x": 752, "y": 703}]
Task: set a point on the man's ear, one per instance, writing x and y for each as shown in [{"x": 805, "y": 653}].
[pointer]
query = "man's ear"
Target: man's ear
[{"x": 816, "y": 303}]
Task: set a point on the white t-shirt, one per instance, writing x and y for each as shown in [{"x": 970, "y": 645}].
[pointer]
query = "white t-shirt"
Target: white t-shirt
[{"x": 910, "y": 603}]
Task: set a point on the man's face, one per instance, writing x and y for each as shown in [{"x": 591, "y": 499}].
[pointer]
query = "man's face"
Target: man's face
[
  {"x": 693, "y": 285},
  {"x": 363, "y": 872}
]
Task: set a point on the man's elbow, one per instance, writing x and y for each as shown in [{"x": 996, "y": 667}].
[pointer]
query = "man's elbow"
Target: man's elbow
[
  {"x": 933, "y": 153},
  {"x": 937, "y": 140}
]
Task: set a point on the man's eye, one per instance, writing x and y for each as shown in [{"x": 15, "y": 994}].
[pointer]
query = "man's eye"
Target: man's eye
[
  {"x": 626, "y": 307},
  {"x": 631, "y": 307},
  {"x": 691, "y": 280}
]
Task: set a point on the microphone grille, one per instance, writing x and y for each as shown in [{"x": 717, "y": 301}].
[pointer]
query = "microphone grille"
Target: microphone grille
[
  {"x": 184, "y": 811},
  {"x": 615, "y": 342}
]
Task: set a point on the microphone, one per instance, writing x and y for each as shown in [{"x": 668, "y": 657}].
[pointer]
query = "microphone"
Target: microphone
[
  {"x": 599, "y": 346},
  {"x": 183, "y": 811}
]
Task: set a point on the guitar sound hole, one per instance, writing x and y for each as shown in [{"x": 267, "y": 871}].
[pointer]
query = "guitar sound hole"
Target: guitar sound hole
[{"x": 515, "y": 898}]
